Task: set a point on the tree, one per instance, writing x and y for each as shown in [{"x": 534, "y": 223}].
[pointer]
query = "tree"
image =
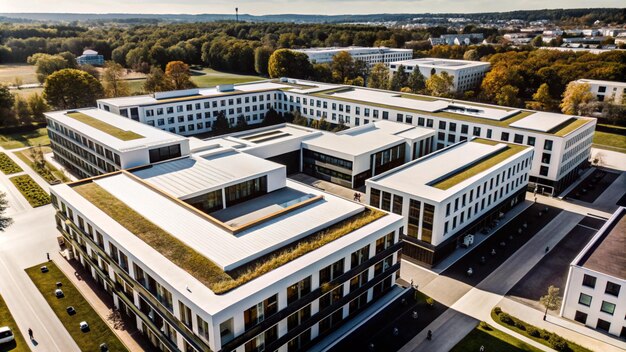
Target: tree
[
  {"x": 112, "y": 80},
  {"x": 92, "y": 70},
  {"x": 156, "y": 81},
  {"x": 288, "y": 63},
  {"x": 37, "y": 105},
  {"x": 343, "y": 67},
  {"x": 47, "y": 64},
  {"x": 241, "y": 124},
  {"x": 272, "y": 118},
  {"x": 221, "y": 125},
  {"x": 537, "y": 41},
  {"x": 417, "y": 81},
  {"x": 500, "y": 76},
  {"x": 577, "y": 99},
  {"x": 298, "y": 119},
  {"x": 7, "y": 100},
  {"x": 614, "y": 113},
  {"x": 399, "y": 79},
  {"x": 5, "y": 221},
  {"x": 322, "y": 73},
  {"x": 440, "y": 84},
  {"x": 178, "y": 73},
  {"x": 379, "y": 77},
  {"x": 508, "y": 96},
  {"x": 471, "y": 55},
  {"x": 70, "y": 89},
  {"x": 551, "y": 301},
  {"x": 543, "y": 97},
  {"x": 21, "y": 110},
  {"x": 261, "y": 59}
]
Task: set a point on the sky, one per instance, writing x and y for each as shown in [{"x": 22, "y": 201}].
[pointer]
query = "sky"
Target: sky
[{"x": 327, "y": 7}]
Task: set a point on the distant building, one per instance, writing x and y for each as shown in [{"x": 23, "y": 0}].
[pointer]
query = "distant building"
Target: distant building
[
  {"x": 620, "y": 39},
  {"x": 371, "y": 56},
  {"x": 467, "y": 74},
  {"x": 452, "y": 193},
  {"x": 457, "y": 39},
  {"x": 608, "y": 91},
  {"x": 595, "y": 292},
  {"x": 90, "y": 57}
]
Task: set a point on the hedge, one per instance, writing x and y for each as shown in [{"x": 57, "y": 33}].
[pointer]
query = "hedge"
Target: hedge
[
  {"x": 8, "y": 166},
  {"x": 34, "y": 194}
]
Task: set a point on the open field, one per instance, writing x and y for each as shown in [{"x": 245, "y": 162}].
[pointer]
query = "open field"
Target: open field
[
  {"x": 610, "y": 141},
  {"x": 6, "y": 319},
  {"x": 98, "y": 332},
  {"x": 25, "y": 139},
  {"x": 492, "y": 340},
  {"x": 206, "y": 78},
  {"x": 25, "y": 72}
]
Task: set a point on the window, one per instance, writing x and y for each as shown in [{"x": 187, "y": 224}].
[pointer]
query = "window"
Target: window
[
  {"x": 358, "y": 257},
  {"x": 333, "y": 296},
  {"x": 580, "y": 317},
  {"x": 589, "y": 281},
  {"x": 331, "y": 272},
  {"x": 518, "y": 138},
  {"x": 260, "y": 311},
  {"x": 452, "y": 127},
  {"x": 298, "y": 290},
  {"x": 397, "y": 204},
  {"x": 612, "y": 289},
  {"x": 584, "y": 299},
  {"x": 488, "y": 133},
  {"x": 607, "y": 307},
  {"x": 298, "y": 317},
  {"x": 203, "y": 328},
  {"x": 442, "y": 125},
  {"x": 164, "y": 153},
  {"x": 476, "y": 131},
  {"x": 545, "y": 158},
  {"x": 603, "y": 325},
  {"x": 374, "y": 197},
  {"x": 185, "y": 314},
  {"x": 226, "y": 331},
  {"x": 414, "y": 218},
  {"x": 547, "y": 145},
  {"x": 386, "y": 204},
  {"x": 384, "y": 242},
  {"x": 464, "y": 129},
  {"x": 427, "y": 224},
  {"x": 543, "y": 171},
  {"x": 245, "y": 190},
  {"x": 531, "y": 141},
  {"x": 505, "y": 136}
]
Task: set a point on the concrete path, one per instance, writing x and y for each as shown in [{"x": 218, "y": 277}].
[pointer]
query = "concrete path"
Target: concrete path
[
  {"x": 608, "y": 199},
  {"x": 573, "y": 206},
  {"x": 610, "y": 159}
]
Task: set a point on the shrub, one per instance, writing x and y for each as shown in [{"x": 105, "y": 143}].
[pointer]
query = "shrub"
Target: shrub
[
  {"x": 545, "y": 334},
  {"x": 34, "y": 194},
  {"x": 533, "y": 331},
  {"x": 506, "y": 318},
  {"x": 7, "y": 165},
  {"x": 483, "y": 325},
  {"x": 497, "y": 310},
  {"x": 430, "y": 302},
  {"x": 520, "y": 324},
  {"x": 558, "y": 343}
]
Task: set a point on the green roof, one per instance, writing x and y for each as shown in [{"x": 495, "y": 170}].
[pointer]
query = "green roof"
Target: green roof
[
  {"x": 480, "y": 165},
  {"x": 197, "y": 265},
  {"x": 105, "y": 127}
]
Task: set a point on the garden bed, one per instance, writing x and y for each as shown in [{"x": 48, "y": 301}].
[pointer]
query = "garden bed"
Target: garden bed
[
  {"x": 492, "y": 340},
  {"x": 34, "y": 194},
  {"x": 48, "y": 172},
  {"x": 8, "y": 166}
]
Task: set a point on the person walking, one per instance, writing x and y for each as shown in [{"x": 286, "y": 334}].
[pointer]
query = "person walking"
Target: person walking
[{"x": 30, "y": 333}]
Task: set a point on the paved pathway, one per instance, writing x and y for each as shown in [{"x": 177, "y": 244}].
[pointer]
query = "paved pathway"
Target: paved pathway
[{"x": 610, "y": 159}]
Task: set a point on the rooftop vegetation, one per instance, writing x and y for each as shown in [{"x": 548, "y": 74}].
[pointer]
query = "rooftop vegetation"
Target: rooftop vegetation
[
  {"x": 105, "y": 127},
  {"x": 480, "y": 165},
  {"x": 8, "y": 166},
  {"x": 197, "y": 265}
]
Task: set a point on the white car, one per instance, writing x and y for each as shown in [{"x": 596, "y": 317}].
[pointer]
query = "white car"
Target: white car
[{"x": 6, "y": 335}]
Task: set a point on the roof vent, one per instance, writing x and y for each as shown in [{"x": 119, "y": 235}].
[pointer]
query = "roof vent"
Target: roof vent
[{"x": 225, "y": 87}]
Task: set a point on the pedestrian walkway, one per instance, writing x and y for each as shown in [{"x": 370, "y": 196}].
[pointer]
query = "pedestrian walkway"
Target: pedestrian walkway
[
  {"x": 580, "y": 179},
  {"x": 571, "y": 206},
  {"x": 607, "y": 201},
  {"x": 97, "y": 303}
]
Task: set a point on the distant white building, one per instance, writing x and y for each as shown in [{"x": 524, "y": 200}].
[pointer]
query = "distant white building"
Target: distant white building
[
  {"x": 90, "y": 57},
  {"x": 371, "y": 56},
  {"x": 467, "y": 74},
  {"x": 608, "y": 91},
  {"x": 452, "y": 193},
  {"x": 595, "y": 293},
  {"x": 457, "y": 39}
]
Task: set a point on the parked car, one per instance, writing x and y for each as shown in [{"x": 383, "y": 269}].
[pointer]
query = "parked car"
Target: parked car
[{"x": 6, "y": 335}]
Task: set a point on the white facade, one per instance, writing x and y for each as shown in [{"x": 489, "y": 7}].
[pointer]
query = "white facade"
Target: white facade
[
  {"x": 88, "y": 149},
  {"x": 595, "y": 293},
  {"x": 435, "y": 212},
  {"x": 370, "y": 56},
  {"x": 608, "y": 91},
  {"x": 457, "y": 39},
  {"x": 177, "y": 311},
  {"x": 467, "y": 74}
]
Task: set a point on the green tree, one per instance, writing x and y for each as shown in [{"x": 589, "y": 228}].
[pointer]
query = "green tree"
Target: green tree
[
  {"x": 543, "y": 97},
  {"x": 343, "y": 67},
  {"x": 577, "y": 99},
  {"x": 471, "y": 55},
  {"x": 440, "y": 84},
  {"x": 7, "y": 100},
  {"x": 399, "y": 79},
  {"x": 551, "y": 301},
  {"x": 241, "y": 124},
  {"x": 70, "y": 89},
  {"x": 288, "y": 63},
  {"x": 537, "y": 41},
  {"x": 417, "y": 81},
  {"x": 508, "y": 96},
  {"x": 261, "y": 59},
  {"x": 5, "y": 221},
  {"x": 322, "y": 73},
  {"x": 299, "y": 119},
  {"x": 498, "y": 77},
  {"x": 178, "y": 73},
  {"x": 92, "y": 70},
  {"x": 113, "y": 82},
  {"x": 379, "y": 77},
  {"x": 46, "y": 64},
  {"x": 156, "y": 81},
  {"x": 221, "y": 125},
  {"x": 21, "y": 110},
  {"x": 272, "y": 118},
  {"x": 37, "y": 105},
  {"x": 158, "y": 56}
]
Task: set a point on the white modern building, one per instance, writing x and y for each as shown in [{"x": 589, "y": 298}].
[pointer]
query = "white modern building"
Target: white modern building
[
  {"x": 562, "y": 142},
  {"x": 202, "y": 251},
  {"x": 608, "y": 91},
  {"x": 90, "y": 142},
  {"x": 595, "y": 293},
  {"x": 466, "y": 74},
  {"x": 370, "y": 56},
  {"x": 457, "y": 39},
  {"x": 90, "y": 57},
  {"x": 452, "y": 193}
]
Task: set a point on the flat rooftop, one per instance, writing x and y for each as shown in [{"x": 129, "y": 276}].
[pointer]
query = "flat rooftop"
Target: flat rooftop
[
  {"x": 606, "y": 251},
  {"x": 368, "y": 138},
  {"x": 441, "y": 63},
  {"x": 264, "y": 136},
  {"x": 597, "y": 81},
  {"x": 113, "y": 131},
  {"x": 336, "y": 49},
  {"x": 442, "y": 174}
]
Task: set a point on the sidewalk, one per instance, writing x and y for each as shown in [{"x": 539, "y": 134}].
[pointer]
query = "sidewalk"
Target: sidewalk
[
  {"x": 103, "y": 309},
  {"x": 570, "y": 205},
  {"x": 609, "y": 198}
]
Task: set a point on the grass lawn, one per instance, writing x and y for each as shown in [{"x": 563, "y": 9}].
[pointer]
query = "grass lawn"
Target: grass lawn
[
  {"x": 7, "y": 165},
  {"x": 209, "y": 77},
  {"x": 6, "y": 319},
  {"x": 105, "y": 127},
  {"x": 34, "y": 194},
  {"x": 494, "y": 341},
  {"x": 135, "y": 85},
  {"x": 610, "y": 141},
  {"x": 25, "y": 72},
  {"x": 50, "y": 173},
  {"x": 25, "y": 139},
  {"x": 99, "y": 331}
]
